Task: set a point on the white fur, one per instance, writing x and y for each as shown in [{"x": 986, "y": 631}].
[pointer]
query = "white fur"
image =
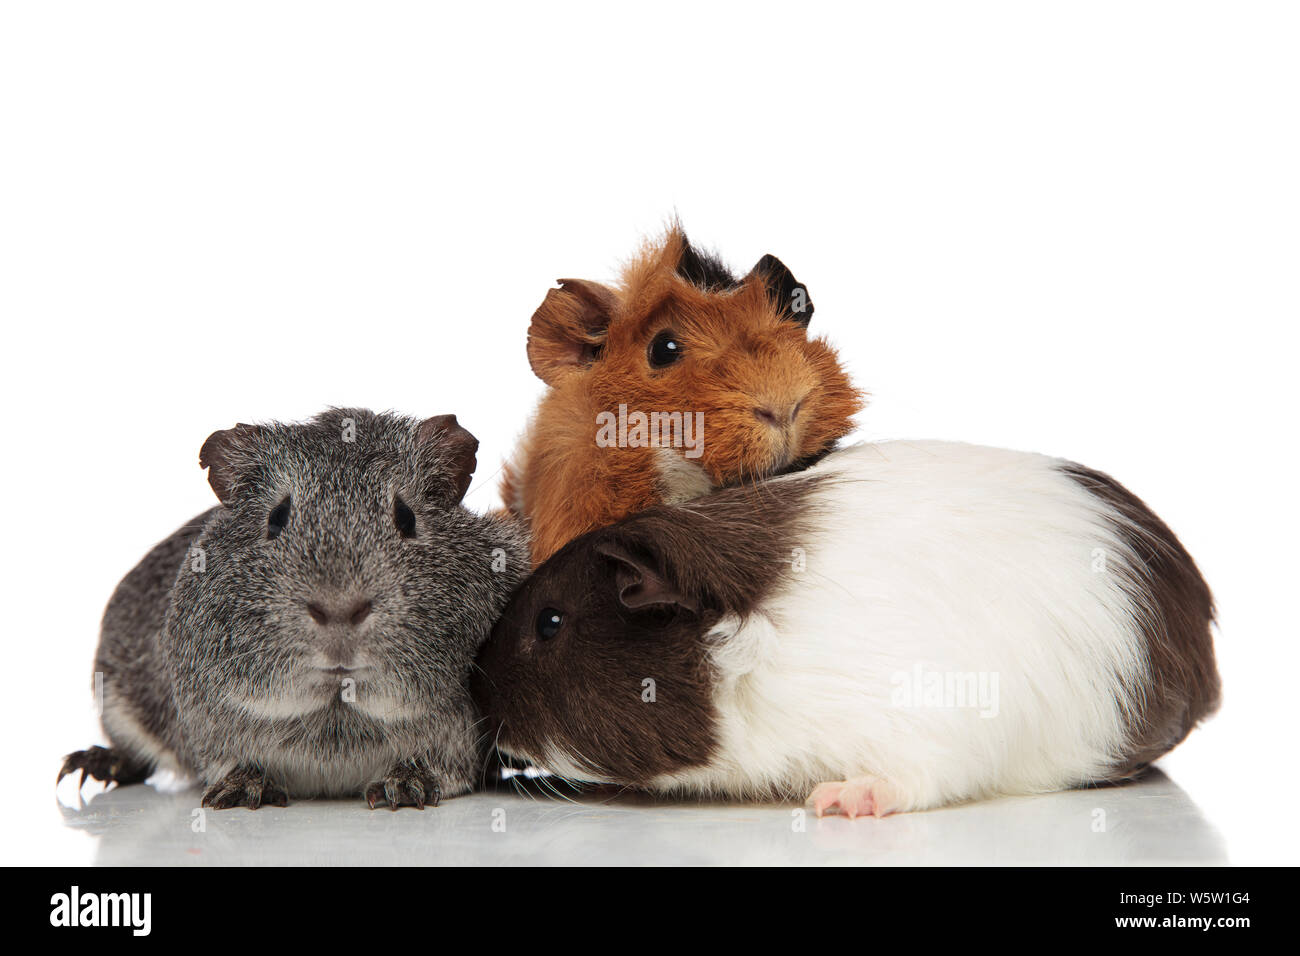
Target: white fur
[
  {"x": 300, "y": 773},
  {"x": 291, "y": 700},
  {"x": 957, "y": 559},
  {"x": 132, "y": 736},
  {"x": 343, "y": 776},
  {"x": 680, "y": 479}
]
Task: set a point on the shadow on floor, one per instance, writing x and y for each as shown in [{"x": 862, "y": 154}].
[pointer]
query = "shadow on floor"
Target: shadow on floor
[{"x": 1151, "y": 821}]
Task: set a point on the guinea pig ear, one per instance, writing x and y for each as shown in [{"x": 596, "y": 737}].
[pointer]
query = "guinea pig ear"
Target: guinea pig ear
[
  {"x": 640, "y": 583},
  {"x": 703, "y": 270},
  {"x": 568, "y": 328},
  {"x": 224, "y": 455},
  {"x": 456, "y": 451},
  {"x": 787, "y": 293}
]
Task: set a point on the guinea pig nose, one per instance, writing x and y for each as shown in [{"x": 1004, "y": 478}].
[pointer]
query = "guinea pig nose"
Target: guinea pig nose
[
  {"x": 777, "y": 416},
  {"x": 360, "y": 612},
  {"x": 324, "y": 614}
]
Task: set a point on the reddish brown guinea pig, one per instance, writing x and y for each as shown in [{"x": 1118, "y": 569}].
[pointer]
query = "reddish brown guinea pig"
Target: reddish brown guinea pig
[{"x": 680, "y": 379}]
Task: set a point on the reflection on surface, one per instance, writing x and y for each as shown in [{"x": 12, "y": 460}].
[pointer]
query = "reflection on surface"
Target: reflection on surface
[{"x": 1148, "y": 822}]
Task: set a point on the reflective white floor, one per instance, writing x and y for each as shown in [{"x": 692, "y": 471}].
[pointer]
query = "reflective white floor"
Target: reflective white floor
[{"x": 1149, "y": 822}]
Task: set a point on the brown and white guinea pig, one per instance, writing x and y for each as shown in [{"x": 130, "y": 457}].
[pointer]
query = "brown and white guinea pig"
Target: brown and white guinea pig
[
  {"x": 680, "y": 380},
  {"x": 900, "y": 626}
]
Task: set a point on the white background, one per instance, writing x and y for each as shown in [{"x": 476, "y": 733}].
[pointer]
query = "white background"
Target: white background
[{"x": 1063, "y": 227}]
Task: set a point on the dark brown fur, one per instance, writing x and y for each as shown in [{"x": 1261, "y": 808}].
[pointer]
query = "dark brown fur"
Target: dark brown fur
[
  {"x": 631, "y": 615},
  {"x": 1182, "y": 681}
]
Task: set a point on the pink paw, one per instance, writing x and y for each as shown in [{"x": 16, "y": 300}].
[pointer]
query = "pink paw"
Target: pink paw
[{"x": 859, "y": 797}]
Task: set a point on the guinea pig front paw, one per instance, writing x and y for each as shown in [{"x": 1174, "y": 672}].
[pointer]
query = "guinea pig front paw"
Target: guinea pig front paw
[
  {"x": 245, "y": 787},
  {"x": 409, "y": 784},
  {"x": 101, "y": 763},
  {"x": 857, "y": 797}
]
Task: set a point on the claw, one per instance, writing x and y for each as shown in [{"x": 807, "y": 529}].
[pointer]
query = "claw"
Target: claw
[
  {"x": 409, "y": 784},
  {"x": 102, "y": 763},
  {"x": 246, "y": 787}
]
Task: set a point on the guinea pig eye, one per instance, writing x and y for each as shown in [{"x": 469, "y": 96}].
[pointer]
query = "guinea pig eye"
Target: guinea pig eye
[
  {"x": 404, "y": 518},
  {"x": 664, "y": 349},
  {"x": 277, "y": 519},
  {"x": 548, "y": 623}
]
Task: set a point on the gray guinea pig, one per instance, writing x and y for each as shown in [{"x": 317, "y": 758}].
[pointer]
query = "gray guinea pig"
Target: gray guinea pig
[{"x": 313, "y": 634}]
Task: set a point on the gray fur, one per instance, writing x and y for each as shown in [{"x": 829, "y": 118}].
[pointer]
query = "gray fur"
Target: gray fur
[{"x": 220, "y": 671}]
